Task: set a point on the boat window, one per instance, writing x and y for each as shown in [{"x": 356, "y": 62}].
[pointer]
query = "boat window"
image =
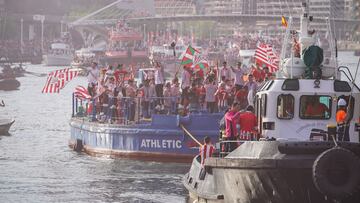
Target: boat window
[
  {"x": 341, "y": 86},
  {"x": 285, "y": 106},
  {"x": 290, "y": 84},
  {"x": 315, "y": 107},
  {"x": 349, "y": 109},
  {"x": 263, "y": 104}
]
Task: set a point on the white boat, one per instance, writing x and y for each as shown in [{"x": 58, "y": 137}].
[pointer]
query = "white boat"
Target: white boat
[
  {"x": 60, "y": 54},
  {"x": 5, "y": 125}
]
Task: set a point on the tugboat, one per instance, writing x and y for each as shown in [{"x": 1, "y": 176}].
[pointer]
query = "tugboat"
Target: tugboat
[{"x": 301, "y": 156}]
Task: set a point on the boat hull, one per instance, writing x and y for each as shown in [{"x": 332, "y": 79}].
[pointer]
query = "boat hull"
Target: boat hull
[
  {"x": 257, "y": 180},
  {"x": 51, "y": 60},
  {"x": 5, "y": 125},
  {"x": 160, "y": 140}
]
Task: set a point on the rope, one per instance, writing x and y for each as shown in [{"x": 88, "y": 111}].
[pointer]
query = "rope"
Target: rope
[{"x": 191, "y": 136}]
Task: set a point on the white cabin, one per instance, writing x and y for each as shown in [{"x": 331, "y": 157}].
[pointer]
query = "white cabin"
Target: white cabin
[{"x": 282, "y": 107}]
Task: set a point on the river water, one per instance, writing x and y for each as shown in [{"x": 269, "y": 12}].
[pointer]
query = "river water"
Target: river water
[{"x": 36, "y": 164}]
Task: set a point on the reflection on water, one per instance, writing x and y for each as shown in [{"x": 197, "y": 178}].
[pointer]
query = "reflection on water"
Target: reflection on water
[{"x": 36, "y": 164}]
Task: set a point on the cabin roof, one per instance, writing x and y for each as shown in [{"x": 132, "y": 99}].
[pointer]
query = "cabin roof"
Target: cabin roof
[{"x": 308, "y": 86}]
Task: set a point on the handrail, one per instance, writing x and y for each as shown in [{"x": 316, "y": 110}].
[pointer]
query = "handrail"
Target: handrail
[{"x": 191, "y": 136}]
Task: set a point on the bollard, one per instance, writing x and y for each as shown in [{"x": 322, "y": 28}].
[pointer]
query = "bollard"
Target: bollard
[{"x": 331, "y": 132}]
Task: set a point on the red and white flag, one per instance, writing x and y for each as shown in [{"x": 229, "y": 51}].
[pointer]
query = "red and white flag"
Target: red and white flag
[
  {"x": 81, "y": 93},
  {"x": 264, "y": 54},
  {"x": 58, "y": 79}
]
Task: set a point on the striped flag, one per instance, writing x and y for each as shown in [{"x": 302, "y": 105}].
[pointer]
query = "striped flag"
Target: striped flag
[
  {"x": 81, "y": 93},
  {"x": 189, "y": 57},
  {"x": 58, "y": 79},
  {"x": 264, "y": 55}
]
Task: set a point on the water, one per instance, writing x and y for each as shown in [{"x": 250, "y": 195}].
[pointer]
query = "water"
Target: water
[{"x": 36, "y": 165}]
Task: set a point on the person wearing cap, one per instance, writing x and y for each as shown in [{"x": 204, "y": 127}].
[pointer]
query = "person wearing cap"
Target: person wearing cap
[{"x": 341, "y": 120}]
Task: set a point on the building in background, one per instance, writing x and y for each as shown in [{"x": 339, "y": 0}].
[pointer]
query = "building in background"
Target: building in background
[
  {"x": 230, "y": 6},
  {"x": 279, "y": 7},
  {"x": 174, "y": 7}
]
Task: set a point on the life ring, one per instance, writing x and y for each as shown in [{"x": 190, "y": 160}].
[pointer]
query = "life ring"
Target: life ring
[{"x": 336, "y": 173}]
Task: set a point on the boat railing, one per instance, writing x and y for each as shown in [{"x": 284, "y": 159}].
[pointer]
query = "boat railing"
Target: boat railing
[{"x": 128, "y": 110}]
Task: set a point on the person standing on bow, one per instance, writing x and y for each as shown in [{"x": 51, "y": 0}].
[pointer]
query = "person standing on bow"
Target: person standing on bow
[{"x": 206, "y": 150}]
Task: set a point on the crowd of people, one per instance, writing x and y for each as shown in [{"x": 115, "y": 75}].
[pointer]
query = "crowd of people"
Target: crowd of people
[{"x": 118, "y": 97}]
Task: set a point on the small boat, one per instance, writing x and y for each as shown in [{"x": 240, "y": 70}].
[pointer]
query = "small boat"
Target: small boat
[
  {"x": 5, "y": 125},
  {"x": 60, "y": 54},
  {"x": 9, "y": 84}
]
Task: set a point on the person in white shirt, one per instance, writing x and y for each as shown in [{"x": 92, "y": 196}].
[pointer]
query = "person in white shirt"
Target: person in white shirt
[
  {"x": 252, "y": 88},
  {"x": 185, "y": 84},
  {"x": 175, "y": 95},
  {"x": 109, "y": 73},
  {"x": 148, "y": 94},
  {"x": 210, "y": 99},
  {"x": 239, "y": 73},
  {"x": 225, "y": 72},
  {"x": 159, "y": 82},
  {"x": 93, "y": 78}
]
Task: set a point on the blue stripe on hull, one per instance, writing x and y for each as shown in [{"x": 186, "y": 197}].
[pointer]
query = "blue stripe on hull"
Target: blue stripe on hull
[{"x": 161, "y": 136}]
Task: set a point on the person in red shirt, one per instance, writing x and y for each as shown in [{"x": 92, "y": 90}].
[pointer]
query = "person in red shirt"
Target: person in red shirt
[
  {"x": 316, "y": 109},
  {"x": 248, "y": 121},
  {"x": 206, "y": 150},
  {"x": 265, "y": 74},
  {"x": 231, "y": 118},
  {"x": 256, "y": 72}
]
